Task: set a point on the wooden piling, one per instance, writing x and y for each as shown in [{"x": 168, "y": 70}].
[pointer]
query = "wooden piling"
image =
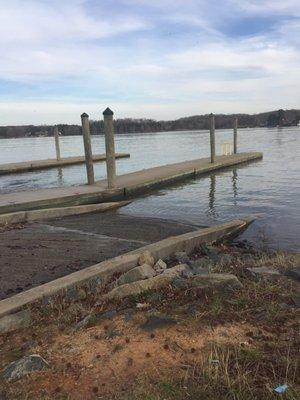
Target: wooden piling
[
  {"x": 212, "y": 139},
  {"x": 110, "y": 148},
  {"x": 57, "y": 147},
  {"x": 87, "y": 148},
  {"x": 235, "y": 126}
]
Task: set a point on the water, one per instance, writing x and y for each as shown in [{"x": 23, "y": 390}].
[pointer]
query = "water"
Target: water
[{"x": 269, "y": 188}]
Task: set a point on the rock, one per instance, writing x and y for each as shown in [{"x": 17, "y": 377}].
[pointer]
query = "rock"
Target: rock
[
  {"x": 24, "y": 366},
  {"x": 139, "y": 287},
  {"x": 158, "y": 322},
  {"x": 94, "y": 318},
  {"x": 211, "y": 252},
  {"x": 294, "y": 273},
  {"x": 216, "y": 281},
  {"x": 182, "y": 257},
  {"x": 144, "y": 271},
  {"x": 160, "y": 266},
  {"x": 179, "y": 269},
  {"x": 226, "y": 259},
  {"x": 296, "y": 300},
  {"x": 146, "y": 258},
  {"x": 264, "y": 271},
  {"x": 12, "y": 322},
  {"x": 201, "y": 266}
]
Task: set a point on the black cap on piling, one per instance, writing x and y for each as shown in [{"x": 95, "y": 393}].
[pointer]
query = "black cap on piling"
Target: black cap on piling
[
  {"x": 84, "y": 115},
  {"x": 108, "y": 112}
]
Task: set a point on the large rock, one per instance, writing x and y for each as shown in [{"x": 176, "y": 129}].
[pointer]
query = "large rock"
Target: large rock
[
  {"x": 139, "y": 273},
  {"x": 24, "y": 366},
  {"x": 179, "y": 269},
  {"x": 146, "y": 258},
  {"x": 216, "y": 281},
  {"x": 139, "y": 287},
  {"x": 19, "y": 320},
  {"x": 264, "y": 271},
  {"x": 174, "y": 278}
]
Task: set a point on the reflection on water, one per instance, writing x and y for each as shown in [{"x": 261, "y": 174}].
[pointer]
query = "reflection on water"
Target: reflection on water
[
  {"x": 269, "y": 188},
  {"x": 211, "y": 196},
  {"x": 234, "y": 185}
]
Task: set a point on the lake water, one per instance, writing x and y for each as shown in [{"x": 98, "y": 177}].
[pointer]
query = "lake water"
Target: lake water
[{"x": 269, "y": 188}]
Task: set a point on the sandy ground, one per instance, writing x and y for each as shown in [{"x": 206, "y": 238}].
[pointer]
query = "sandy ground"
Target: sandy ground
[{"x": 41, "y": 252}]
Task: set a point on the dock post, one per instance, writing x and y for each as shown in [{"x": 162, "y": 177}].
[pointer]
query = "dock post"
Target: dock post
[
  {"x": 57, "y": 148},
  {"x": 110, "y": 148},
  {"x": 212, "y": 139},
  {"x": 87, "y": 148},
  {"x": 235, "y": 126}
]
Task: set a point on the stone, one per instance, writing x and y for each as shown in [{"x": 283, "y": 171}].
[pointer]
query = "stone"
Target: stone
[
  {"x": 216, "y": 281},
  {"x": 294, "y": 273},
  {"x": 264, "y": 271},
  {"x": 146, "y": 258},
  {"x": 24, "y": 366},
  {"x": 201, "y": 265},
  {"x": 158, "y": 322},
  {"x": 179, "y": 269},
  {"x": 139, "y": 287},
  {"x": 182, "y": 257},
  {"x": 12, "y": 322},
  {"x": 160, "y": 266},
  {"x": 144, "y": 271}
]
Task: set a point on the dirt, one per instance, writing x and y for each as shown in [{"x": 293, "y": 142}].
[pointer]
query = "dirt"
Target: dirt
[
  {"x": 33, "y": 254},
  {"x": 236, "y": 345}
]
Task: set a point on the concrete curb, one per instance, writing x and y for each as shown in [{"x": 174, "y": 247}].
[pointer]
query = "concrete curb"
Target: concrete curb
[
  {"x": 100, "y": 273},
  {"x": 48, "y": 213}
]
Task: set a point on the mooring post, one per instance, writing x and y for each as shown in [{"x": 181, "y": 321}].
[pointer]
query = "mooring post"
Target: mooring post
[
  {"x": 110, "y": 148},
  {"x": 212, "y": 139},
  {"x": 57, "y": 148},
  {"x": 235, "y": 126},
  {"x": 87, "y": 148}
]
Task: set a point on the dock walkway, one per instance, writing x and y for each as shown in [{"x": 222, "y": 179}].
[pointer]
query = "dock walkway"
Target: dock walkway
[
  {"x": 27, "y": 166},
  {"x": 128, "y": 184}
]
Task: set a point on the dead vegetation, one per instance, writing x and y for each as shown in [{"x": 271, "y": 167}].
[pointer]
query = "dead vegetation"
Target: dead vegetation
[{"x": 181, "y": 344}]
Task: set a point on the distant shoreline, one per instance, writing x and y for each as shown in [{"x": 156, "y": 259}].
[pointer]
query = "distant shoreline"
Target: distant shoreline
[{"x": 272, "y": 119}]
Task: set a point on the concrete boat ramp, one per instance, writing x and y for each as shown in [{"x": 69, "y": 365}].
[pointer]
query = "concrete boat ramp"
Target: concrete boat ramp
[
  {"x": 27, "y": 166},
  {"x": 126, "y": 185}
]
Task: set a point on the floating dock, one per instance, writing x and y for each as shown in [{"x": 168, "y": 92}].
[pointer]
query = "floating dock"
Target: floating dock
[
  {"x": 126, "y": 185},
  {"x": 28, "y": 166}
]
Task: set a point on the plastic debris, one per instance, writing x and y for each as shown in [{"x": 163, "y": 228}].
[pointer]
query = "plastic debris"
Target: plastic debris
[{"x": 281, "y": 389}]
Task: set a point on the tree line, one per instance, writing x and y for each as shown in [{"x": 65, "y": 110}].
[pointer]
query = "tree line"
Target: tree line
[{"x": 130, "y": 125}]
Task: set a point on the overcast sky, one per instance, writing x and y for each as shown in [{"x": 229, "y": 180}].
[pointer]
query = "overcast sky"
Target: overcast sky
[{"x": 159, "y": 59}]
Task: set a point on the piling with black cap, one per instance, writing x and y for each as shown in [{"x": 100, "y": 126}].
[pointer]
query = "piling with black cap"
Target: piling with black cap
[
  {"x": 110, "y": 148},
  {"x": 87, "y": 148}
]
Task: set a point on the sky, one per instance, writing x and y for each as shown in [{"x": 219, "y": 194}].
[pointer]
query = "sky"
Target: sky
[{"x": 161, "y": 59}]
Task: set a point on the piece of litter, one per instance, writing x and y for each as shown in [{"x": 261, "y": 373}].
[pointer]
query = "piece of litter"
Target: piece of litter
[{"x": 281, "y": 389}]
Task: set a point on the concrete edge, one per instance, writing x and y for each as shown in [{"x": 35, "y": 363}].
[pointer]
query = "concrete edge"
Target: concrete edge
[
  {"x": 100, "y": 273},
  {"x": 157, "y": 183},
  {"x": 49, "y": 213},
  {"x": 14, "y": 168}
]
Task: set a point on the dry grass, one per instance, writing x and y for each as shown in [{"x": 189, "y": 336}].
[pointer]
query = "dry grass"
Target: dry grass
[{"x": 237, "y": 346}]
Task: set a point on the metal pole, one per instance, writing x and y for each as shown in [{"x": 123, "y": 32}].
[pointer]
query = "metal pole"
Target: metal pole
[
  {"x": 110, "y": 148},
  {"x": 212, "y": 139},
  {"x": 87, "y": 148},
  {"x": 235, "y": 126},
  {"x": 57, "y": 148}
]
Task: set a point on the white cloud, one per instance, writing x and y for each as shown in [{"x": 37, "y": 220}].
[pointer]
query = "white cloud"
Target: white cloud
[{"x": 143, "y": 71}]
